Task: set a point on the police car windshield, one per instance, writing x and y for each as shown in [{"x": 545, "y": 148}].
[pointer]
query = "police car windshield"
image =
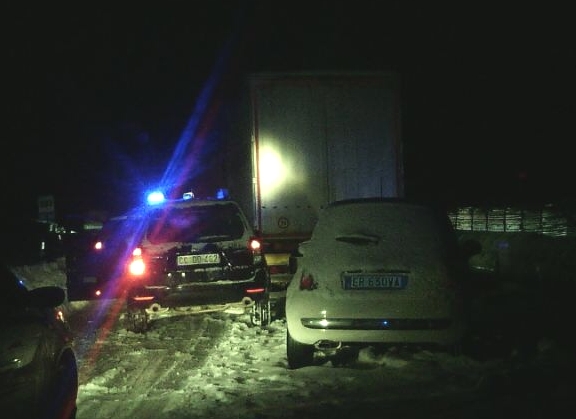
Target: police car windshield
[{"x": 195, "y": 224}]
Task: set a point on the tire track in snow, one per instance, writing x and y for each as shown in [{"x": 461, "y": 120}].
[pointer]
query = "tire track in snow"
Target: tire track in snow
[{"x": 180, "y": 347}]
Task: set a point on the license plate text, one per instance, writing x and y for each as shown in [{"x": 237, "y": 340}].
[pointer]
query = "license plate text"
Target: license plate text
[
  {"x": 185, "y": 260},
  {"x": 374, "y": 281}
]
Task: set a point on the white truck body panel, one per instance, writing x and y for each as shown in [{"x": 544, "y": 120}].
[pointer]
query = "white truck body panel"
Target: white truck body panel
[{"x": 321, "y": 137}]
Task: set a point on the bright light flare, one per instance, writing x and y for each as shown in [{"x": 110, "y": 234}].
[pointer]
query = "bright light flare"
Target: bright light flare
[
  {"x": 276, "y": 172},
  {"x": 137, "y": 267},
  {"x": 271, "y": 169},
  {"x": 255, "y": 245},
  {"x": 155, "y": 198}
]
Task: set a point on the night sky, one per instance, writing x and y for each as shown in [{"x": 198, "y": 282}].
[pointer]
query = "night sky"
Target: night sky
[{"x": 96, "y": 96}]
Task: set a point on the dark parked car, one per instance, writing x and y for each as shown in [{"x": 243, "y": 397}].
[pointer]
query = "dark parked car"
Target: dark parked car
[
  {"x": 38, "y": 370},
  {"x": 30, "y": 241},
  {"x": 95, "y": 259}
]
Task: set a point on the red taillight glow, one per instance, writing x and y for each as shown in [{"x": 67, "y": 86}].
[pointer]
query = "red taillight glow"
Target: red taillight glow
[
  {"x": 98, "y": 245},
  {"x": 278, "y": 269},
  {"x": 254, "y": 245},
  {"x": 143, "y": 298},
  {"x": 137, "y": 267},
  {"x": 255, "y": 290},
  {"x": 307, "y": 282}
]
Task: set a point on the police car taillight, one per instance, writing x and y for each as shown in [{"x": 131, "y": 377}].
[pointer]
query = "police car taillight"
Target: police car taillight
[
  {"x": 255, "y": 245},
  {"x": 136, "y": 265}
]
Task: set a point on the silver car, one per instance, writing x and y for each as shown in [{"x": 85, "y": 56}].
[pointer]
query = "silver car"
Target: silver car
[{"x": 376, "y": 272}]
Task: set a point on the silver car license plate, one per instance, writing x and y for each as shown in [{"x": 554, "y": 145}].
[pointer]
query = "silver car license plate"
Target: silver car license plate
[{"x": 374, "y": 281}]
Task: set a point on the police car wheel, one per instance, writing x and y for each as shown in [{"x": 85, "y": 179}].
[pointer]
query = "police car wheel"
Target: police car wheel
[{"x": 137, "y": 321}]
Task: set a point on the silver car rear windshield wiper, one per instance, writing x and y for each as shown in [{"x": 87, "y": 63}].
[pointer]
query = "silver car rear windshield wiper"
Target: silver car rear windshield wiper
[{"x": 358, "y": 238}]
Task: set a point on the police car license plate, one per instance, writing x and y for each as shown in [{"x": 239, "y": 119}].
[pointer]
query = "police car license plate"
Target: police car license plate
[
  {"x": 208, "y": 258},
  {"x": 366, "y": 281}
]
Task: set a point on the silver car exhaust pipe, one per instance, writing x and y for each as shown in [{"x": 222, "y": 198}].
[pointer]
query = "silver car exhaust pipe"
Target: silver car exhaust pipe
[{"x": 327, "y": 345}]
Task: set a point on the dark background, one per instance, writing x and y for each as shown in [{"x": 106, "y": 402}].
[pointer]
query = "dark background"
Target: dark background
[{"x": 96, "y": 97}]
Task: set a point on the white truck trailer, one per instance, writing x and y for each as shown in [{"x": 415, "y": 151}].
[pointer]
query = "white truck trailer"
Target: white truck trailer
[{"x": 315, "y": 138}]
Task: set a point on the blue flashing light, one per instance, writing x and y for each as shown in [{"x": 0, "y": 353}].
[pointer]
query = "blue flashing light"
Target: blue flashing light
[
  {"x": 187, "y": 195},
  {"x": 155, "y": 198},
  {"x": 222, "y": 193}
]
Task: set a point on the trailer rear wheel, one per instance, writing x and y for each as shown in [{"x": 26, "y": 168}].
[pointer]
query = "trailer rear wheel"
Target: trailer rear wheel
[{"x": 260, "y": 315}]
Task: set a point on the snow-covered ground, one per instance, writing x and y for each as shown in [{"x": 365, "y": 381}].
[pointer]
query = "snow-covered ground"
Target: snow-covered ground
[{"x": 216, "y": 365}]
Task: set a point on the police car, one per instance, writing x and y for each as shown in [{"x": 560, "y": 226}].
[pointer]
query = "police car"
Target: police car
[{"x": 196, "y": 255}]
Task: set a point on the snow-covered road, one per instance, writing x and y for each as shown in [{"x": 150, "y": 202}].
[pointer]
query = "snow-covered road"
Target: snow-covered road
[{"x": 218, "y": 366}]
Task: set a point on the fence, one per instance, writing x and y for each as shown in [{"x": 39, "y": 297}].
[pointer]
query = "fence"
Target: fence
[{"x": 547, "y": 220}]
